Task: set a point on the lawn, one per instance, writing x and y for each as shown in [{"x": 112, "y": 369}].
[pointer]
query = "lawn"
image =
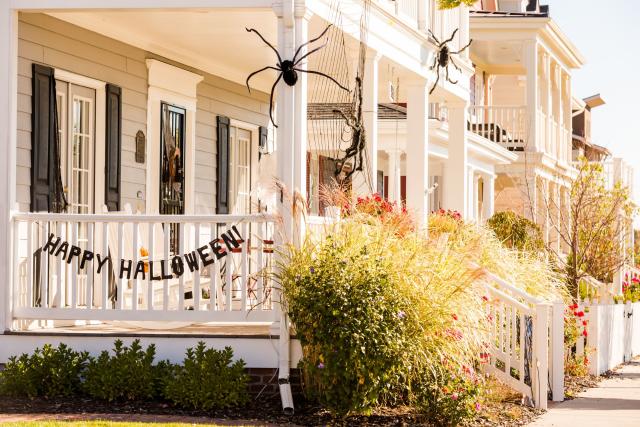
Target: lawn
[{"x": 96, "y": 423}]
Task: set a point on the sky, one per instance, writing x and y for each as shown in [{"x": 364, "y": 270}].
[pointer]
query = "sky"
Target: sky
[{"x": 607, "y": 33}]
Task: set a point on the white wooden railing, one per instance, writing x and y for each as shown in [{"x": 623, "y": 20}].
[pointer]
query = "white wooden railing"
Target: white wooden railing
[
  {"x": 505, "y": 125},
  {"x": 188, "y": 268},
  {"x": 410, "y": 11},
  {"x": 443, "y": 23},
  {"x": 526, "y": 350}
]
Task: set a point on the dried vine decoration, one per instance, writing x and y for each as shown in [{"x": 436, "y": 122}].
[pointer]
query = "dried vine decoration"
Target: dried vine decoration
[
  {"x": 354, "y": 123},
  {"x": 289, "y": 69},
  {"x": 444, "y": 57}
]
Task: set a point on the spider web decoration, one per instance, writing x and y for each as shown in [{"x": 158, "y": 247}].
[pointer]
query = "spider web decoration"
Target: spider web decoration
[{"x": 335, "y": 125}]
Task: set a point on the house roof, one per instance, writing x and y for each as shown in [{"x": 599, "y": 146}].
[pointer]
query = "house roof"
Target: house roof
[
  {"x": 509, "y": 14},
  {"x": 594, "y": 101}
]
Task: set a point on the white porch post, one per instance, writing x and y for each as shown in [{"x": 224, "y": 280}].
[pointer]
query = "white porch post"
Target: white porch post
[
  {"x": 302, "y": 17},
  {"x": 488, "y": 197},
  {"x": 418, "y": 150},
  {"x": 530, "y": 62},
  {"x": 456, "y": 174},
  {"x": 394, "y": 176},
  {"x": 475, "y": 203},
  {"x": 8, "y": 132},
  {"x": 365, "y": 182}
]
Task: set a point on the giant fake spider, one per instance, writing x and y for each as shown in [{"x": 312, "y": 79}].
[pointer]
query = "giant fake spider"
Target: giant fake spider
[
  {"x": 443, "y": 57},
  {"x": 288, "y": 68}
]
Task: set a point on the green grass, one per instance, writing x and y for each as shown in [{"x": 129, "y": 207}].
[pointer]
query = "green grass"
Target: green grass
[{"x": 96, "y": 423}]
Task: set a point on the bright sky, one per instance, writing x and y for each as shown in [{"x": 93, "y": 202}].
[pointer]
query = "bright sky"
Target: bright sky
[{"x": 608, "y": 35}]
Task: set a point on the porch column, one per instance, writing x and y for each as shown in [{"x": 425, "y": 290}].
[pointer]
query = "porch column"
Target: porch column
[
  {"x": 548, "y": 103},
  {"x": 302, "y": 18},
  {"x": 365, "y": 182},
  {"x": 488, "y": 196},
  {"x": 530, "y": 62},
  {"x": 8, "y": 134},
  {"x": 285, "y": 118},
  {"x": 394, "y": 176},
  {"x": 418, "y": 150},
  {"x": 456, "y": 174},
  {"x": 472, "y": 204}
]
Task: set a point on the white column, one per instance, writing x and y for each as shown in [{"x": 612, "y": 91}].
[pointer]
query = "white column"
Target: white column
[
  {"x": 285, "y": 119},
  {"x": 302, "y": 17},
  {"x": 8, "y": 134},
  {"x": 365, "y": 182},
  {"x": 488, "y": 196},
  {"x": 475, "y": 179},
  {"x": 394, "y": 176},
  {"x": 549, "y": 140},
  {"x": 418, "y": 150},
  {"x": 456, "y": 192},
  {"x": 530, "y": 62}
]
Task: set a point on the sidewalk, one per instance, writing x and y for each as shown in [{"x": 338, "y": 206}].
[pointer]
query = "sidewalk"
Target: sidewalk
[{"x": 615, "y": 402}]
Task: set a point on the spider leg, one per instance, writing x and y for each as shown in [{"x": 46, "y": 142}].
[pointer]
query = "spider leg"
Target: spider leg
[
  {"x": 435, "y": 61},
  {"x": 447, "y": 76},
  {"x": 436, "y": 82},
  {"x": 309, "y": 42},
  {"x": 463, "y": 49},
  {"x": 435, "y": 38},
  {"x": 253, "y": 30},
  {"x": 273, "y": 88},
  {"x": 450, "y": 39},
  {"x": 257, "y": 72},
  {"x": 323, "y": 75},
  {"x": 309, "y": 53},
  {"x": 454, "y": 64}
]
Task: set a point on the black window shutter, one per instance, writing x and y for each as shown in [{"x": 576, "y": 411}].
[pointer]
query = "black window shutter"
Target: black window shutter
[
  {"x": 43, "y": 129},
  {"x": 222, "y": 205},
  {"x": 113, "y": 142},
  {"x": 263, "y": 140}
]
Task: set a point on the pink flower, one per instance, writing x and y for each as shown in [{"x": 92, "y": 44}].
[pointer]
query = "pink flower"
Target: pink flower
[
  {"x": 320, "y": 365},
  {"x": 478, "y": 406},
  {"x": 454, "y": 396}
]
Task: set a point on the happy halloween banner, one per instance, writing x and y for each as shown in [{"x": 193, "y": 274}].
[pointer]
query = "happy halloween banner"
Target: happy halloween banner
[{"x": 158, "y": 270}]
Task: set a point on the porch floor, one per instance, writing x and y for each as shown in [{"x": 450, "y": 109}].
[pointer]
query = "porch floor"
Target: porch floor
[{"x": 138, "y": 329}]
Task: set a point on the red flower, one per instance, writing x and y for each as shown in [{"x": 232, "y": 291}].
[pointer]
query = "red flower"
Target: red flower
[
  {"x": 580, "y": 314},
  {"x": 584, "y": 332},
  {"x": 455, "y": 317},
  {"x": 484, "y": 298},
  {"x": 584, "y": 323}
]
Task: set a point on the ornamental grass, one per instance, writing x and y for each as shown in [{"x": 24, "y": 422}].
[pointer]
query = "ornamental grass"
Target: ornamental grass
[{"x": 387, "y": 315}]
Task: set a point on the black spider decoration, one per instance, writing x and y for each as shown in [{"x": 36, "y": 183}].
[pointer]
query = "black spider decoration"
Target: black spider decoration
[
  {"x": 288, "y": 68},
  {"x": 443, "y": 57}
]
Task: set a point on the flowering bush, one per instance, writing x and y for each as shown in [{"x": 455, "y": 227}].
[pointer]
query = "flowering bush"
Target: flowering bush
[
  {"x": 575, "y": 328},
  {"x": 631, "y": 288},
  {"x": 377, "y": 307},
  {"x": 379, "y": 209}
]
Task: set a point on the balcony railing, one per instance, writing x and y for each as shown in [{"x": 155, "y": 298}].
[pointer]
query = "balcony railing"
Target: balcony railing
[
  {"x": 410, "y": 11},
  {"x": 121, "y": 267},
  {"x": 506, "y": 126}
]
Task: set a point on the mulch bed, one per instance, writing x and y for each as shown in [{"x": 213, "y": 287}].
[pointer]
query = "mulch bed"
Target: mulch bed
[{"x": 267, "y": 410}]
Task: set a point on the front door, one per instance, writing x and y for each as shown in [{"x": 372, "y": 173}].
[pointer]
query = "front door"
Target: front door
[{"x": 172, "y": 149}]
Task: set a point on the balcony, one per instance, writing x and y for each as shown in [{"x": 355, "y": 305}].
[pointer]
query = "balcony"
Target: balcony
[{"x": 504, "y": 125}]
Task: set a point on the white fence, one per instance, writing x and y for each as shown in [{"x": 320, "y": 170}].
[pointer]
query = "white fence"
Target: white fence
[
  {"x": 188, "y": 268},
  {"x": 526, "y": 350},
  {"x": 613, "y": 334}
]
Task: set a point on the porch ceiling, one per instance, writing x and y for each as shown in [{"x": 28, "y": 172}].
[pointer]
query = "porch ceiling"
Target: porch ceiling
[
  {"x": 497, "y": 55},
  {"x": 214, "y": 41}
]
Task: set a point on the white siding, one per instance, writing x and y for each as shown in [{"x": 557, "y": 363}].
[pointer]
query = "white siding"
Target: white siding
[{"x": 58, "y": 44}]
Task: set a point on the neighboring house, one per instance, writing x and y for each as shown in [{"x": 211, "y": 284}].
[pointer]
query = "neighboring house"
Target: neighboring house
[
  {"x": 522, "y": 100},
  {"x": 616, "y": 170},
  {"x": 118, "y": 107}
]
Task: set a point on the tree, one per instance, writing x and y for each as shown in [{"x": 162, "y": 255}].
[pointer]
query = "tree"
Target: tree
[
  {"x": 450, "y": 4},
  {"x": 516, "y": 232},
  {"x": 594, "y": 228}
]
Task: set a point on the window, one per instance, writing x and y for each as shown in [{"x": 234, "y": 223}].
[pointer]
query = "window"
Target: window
[{"x": 240, "y": 170}]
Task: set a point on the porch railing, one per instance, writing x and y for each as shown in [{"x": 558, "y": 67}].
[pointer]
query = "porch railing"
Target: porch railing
[
  {"x": 505, "y": 125},
  {"x": 527, "y": 341},
  {"x": 114, "y": 267}
]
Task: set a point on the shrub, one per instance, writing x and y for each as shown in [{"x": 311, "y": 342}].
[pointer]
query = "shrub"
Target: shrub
[
  {"x": 516, "y": 232},
  {"x": 127, "y": 375},
  {"x": 208, "y": 379},
  {"x": 375, "y": 305},
  {"x": 48, "y": 372}
]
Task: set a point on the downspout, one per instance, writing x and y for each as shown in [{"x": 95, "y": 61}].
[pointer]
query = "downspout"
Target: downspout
[{"x": 284, "y": 353}]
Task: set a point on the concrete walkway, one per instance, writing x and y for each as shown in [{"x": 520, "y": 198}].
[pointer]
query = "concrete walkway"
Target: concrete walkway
[{"x": 615, "y": 402}]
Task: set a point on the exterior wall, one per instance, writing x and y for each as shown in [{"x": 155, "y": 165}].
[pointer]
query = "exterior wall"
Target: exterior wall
[
  {"x": 44, "y": 39},
  {"x": 507, "y": 90},
  {"x": 509, "y": 196}
]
